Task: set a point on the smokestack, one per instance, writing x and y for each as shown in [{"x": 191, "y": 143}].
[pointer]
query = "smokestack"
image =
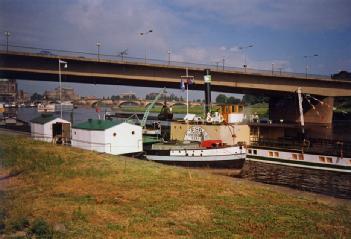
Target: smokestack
[{"x": 207, "y": 80}]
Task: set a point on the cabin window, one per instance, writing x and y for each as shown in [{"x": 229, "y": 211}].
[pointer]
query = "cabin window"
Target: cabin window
[
  {"x": 114, "y": 134},
  {"x": 133, "y": 132},
  {"x": 294, "y": 156},
  {"x": 301, "y": 157},
  {"x": 329, "y": 160},
  {"x": 270, "y": 154},
  {"x": 255, "y": 152},
  {"x": 321, "y": 159},
  {"x": 75, "y": 132},
  {"x": 250, "y": 151},
  {"x": 276, "y": 154},
  {"x": 350, "y": 161}
]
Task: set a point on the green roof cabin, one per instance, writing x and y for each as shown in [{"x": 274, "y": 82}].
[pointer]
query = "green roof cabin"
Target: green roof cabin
[{"x": 107, "y": 136}]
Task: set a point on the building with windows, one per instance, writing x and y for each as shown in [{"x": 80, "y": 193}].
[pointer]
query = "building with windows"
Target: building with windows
[
  {"x": 68, "y": 94},
  {"x": 8, "y": 90}
]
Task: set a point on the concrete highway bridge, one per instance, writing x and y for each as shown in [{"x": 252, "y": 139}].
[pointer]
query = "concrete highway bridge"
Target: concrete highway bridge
[{"x": 30, "y": 66}]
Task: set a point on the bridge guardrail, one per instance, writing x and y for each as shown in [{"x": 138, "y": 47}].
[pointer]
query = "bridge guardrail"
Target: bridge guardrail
[{"x": 128, "y": 59}]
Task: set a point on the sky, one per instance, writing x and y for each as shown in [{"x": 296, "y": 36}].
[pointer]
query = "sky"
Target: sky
[{"x": 199, "y": 31}]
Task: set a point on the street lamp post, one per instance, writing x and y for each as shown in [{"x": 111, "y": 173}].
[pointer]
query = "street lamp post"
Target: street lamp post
[
  {"x": 169, "y": 56},
  {"x": 272, "y": 68},
  {"x": 123, "y": 53},
  {"x": 7, "y": 34},
  {"x": 144, "y": 34},
  {"x": 306, "y": 57},
  {"x": 98, "y": 44},
  {"x": 243, "y": 49},
  {"x": 65, "y": 66}
]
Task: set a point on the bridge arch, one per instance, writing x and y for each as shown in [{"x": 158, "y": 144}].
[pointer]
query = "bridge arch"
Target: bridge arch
[
  {"x": 156, "y": 104},
  {"x": 128, "y": 104}
]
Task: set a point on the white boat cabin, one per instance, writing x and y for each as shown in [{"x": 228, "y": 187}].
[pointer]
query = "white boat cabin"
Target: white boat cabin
[
  {"x": 108, "y": 136},
  {"x": 50, "y": 128}
]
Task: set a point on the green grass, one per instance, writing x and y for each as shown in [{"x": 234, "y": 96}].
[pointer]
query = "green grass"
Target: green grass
[{"x": 97, "y": 196}]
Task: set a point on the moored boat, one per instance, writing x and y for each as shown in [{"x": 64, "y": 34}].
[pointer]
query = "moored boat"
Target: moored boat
[
  {"x": 211, "y": 154},
  {"x": 321, "y": 155}
]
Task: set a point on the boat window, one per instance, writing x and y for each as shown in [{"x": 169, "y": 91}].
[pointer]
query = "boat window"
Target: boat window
[
  {"x": 114, "y": 134},
  {"x": 270, "y": 154},
  {"x": 301, "y": 157},
  {"x": 294, "y": 156},
  {"x": 329, "y": 160},
  {"x": 321, "y": 159},
  {"x": 276, "y": 154},
  {"x": 255, "y": 151},
  {"x": 75, "y": 132},
  {"x": 350, "y": 161},
  {"x": 250, "y": 152},
  {"x": 133, "y": 132}
]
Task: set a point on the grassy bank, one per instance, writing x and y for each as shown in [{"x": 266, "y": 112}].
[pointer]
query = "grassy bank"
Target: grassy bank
[{"x": 83, "y": 194}]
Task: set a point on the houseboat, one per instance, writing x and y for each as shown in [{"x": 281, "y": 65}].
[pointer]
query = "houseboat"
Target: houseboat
[{"x": 312, "y": 154}]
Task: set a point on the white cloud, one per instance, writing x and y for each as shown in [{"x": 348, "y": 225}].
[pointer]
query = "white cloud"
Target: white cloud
[{"x": 302, "y": 14}]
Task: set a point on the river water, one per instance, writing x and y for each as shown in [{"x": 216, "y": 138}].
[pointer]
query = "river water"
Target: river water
[{"x": 325, "y": 182}]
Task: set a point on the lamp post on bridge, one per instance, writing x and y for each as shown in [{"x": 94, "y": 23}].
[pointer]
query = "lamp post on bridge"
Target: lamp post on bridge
[
  {"x": 144, "y": 34},
  {"x": 7, "y": 35},
  {"x": 169, "y": 56},
  {"x": 306, "y": 57},
  {"x": 65, "y": 66},
  {"x": 98, "y": 44},
  {"x": 123, "y": 53},
  {"x": 243, "y": 49}
]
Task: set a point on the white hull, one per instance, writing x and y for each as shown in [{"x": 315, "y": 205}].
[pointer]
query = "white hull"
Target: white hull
[{"x": 301, "y": 160}]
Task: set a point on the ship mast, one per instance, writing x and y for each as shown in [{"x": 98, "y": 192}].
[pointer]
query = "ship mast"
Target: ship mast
[{"x": 302, "y": 121}]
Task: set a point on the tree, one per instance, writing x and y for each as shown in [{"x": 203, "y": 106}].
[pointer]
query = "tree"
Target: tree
[
  {"x": 36, "y": 97},
  {"x": 254, "y": 99},
  {"x": 221, "y": 99},
  {"x": 233, "y": 100}
]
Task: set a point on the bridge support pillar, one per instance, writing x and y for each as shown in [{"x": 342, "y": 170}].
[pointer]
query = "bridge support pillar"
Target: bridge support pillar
[{"x": 316, "y": 110}]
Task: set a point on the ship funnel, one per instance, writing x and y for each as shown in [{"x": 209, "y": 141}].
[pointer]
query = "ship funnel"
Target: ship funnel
[{"x": 207, "y": 84}]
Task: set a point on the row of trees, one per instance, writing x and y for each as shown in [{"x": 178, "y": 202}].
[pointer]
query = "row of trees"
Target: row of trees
[{"x": 247, "y": 99}]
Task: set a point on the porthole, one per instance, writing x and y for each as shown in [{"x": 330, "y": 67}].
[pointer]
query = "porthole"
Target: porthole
[
  {"x": 75, "y": 132},
  {"x": 114, "y": 134},
  {"x": 133, "y": 132}
]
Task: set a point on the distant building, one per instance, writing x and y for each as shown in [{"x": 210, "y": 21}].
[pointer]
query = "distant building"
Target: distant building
[
  {"x": 128, "y": 96},
  {"x": 8, "y": 90},
  {"x": 67, "y": 94},
  {"x": 23, "y": 96}
]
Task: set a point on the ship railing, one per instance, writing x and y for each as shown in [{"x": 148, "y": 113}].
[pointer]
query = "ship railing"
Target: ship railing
[{"x": 317, "y": 146}]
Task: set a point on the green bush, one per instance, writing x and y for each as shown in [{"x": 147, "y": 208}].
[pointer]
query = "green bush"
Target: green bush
[
  {"x": 41, "y": 229},
  {"x": 20, "y": 224}
]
